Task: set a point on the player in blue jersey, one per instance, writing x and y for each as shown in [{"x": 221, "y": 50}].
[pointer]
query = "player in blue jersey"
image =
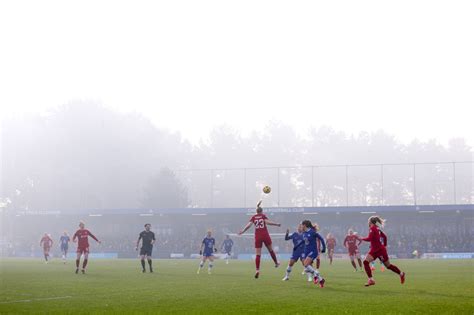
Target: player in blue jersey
[
  {"x": 311, "y": 251},
  {"x": 208, "y": 247},
  {"x": 298, "y": 249},
  {"x": 227, "y": 248},
  {"x": 64, "y": 244}
]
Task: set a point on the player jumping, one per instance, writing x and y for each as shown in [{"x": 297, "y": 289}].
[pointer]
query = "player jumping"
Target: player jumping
[
  {"x": 311, "y": 251},
  {"x": 148, "y": 239},
  {"x": 64, "y": 244},
  {"x": 46, "y": 242},
  {"x": 331, "y": 244},
  {"x": 261, "y": 221},
  {"x": 82, "y": 235},
  {"x": 227, "y": 248},
  {"x": 352, "y": 242},
  {"x": 378, "y": 250},
  {"x": 298, "y": 250},
  {"x": 208, "y": 247}
]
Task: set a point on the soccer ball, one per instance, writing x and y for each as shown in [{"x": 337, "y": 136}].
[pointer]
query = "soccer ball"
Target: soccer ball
[{"x": 267, "y": 189}]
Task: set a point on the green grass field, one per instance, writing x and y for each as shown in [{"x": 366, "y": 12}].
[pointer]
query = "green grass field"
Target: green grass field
[{"x": 118, "y": 286}]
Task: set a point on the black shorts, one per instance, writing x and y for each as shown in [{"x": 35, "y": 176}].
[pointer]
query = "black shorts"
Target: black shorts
[{"x": 146, "y": 251}]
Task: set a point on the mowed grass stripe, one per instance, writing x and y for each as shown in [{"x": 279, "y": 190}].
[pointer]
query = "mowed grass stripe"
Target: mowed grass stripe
[{"x": 118, "y": 286}]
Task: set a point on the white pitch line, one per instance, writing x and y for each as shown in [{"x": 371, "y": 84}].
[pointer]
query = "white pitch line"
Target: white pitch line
[{"x": 38, "y": 299}]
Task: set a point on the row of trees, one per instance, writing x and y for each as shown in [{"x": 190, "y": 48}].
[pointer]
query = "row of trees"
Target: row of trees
[{"x": 83, "y": 155}]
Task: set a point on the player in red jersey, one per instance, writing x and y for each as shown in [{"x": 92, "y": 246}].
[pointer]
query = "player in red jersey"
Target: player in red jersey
[
  {"x": 260, "y": 221},
  {"x": 46, "y": 242},
  {"x": 352, "y": 242},
  {"x": 318, "y": 243},
  {"x": 378, "y": 241},
  {"x": 331, "y": 244},
  {"x": 82, "y": 235}
]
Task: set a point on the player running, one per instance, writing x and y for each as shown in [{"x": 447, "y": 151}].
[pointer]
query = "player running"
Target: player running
[
  {"x": 148, "y": 239},
  {"x": 208, "y": 247},
  {"x": 311, "y": 251},
  {"x": 261, "y": 221},
  {"x": 298, "y": 250},
  {"x": 82, "y": 236},
  {"x": 331, "y": 244},
  {"x": 318, "y": 243},
  {"x": 378, "y": 241},
  {"x": 64, "y": 244},
  {"x": 352, "y": 242},
  {"x": 227, "y": 248},
  {"x": 46, "y": 242}
]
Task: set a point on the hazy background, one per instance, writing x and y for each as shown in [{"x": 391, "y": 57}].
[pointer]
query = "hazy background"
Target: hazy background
[
  {"x": 405, "y": 67},
  {"x": 102, "y": 100}
]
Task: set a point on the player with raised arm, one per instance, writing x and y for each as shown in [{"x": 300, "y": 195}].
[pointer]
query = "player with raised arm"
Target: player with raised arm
[
  {"x": 331, "y": 244},
  {"x": 311, "y": 251},
  {"x": 46, "y": 242},
  {"x": 298, "y": 249},
  {"x": 148, "y": 239},
  {"x": 64, "y": 244},
  {"x": 227, "y": 248},
  {"x": 208, "y": 247},
  {"x": 352, "y": 242},
  {"x": 82, "y": 237},
  {"x": 378, "y": 243},
  {"x": 260, "y": 221}
]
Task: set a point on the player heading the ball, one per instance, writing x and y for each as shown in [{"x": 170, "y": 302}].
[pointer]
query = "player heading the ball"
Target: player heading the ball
[{"x": 260, "y": 221}]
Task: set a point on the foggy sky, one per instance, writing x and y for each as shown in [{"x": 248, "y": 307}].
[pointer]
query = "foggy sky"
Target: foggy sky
[{"x": 405, "y": 67}]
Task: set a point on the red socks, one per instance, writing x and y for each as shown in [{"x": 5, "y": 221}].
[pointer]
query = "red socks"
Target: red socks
[
  {"x": 394, "y": 269},
  {"x": 257, "y": 262},
  {"x": 360, "y": 262},
  {"x": 318, "y": 262},
  {"x": 274, "y": 257},
  {"x": 368, "y": 271},
  {"x": 84, "y": 264}
]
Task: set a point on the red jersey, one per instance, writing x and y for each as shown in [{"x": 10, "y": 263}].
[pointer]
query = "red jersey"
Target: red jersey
[
  {"x": 83, "y": 238},
  {"x": 352, "y": 242},
  {"x": 377, "y": 239},
  {"x": 46, "y": 241},
  {"x": 331, "y": 243},
  {"x": 258, "y": 221}
]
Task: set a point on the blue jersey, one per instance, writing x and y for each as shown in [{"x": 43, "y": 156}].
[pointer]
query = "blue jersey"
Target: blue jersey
[
  {"x": 227, "y": 245},
  {"x": 64, "y": 241},
  {"x": 209, "y": 245},
  {"x": 298, "y": 241},
  {"x": 310, "y": 243}
]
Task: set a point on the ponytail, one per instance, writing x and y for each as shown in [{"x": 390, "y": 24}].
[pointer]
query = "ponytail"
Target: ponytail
[{"x": 377, "y": 220}]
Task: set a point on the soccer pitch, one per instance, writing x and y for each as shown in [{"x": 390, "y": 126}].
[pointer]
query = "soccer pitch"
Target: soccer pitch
[{"x": 118, "y": 286}]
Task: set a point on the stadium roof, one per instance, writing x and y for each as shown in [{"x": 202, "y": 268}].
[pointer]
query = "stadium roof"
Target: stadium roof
[{"x": 209, "y": 211}]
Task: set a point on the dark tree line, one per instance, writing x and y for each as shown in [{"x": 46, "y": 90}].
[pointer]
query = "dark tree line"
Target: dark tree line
[{"x": 84, "y": 155}]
